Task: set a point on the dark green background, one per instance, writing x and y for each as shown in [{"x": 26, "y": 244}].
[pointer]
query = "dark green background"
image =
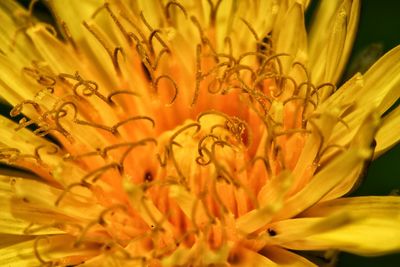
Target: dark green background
[{"x": 379, "y": 23}]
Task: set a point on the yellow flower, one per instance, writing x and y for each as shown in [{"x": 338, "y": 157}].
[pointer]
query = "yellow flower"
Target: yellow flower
[{"x": 190, "y": 133}]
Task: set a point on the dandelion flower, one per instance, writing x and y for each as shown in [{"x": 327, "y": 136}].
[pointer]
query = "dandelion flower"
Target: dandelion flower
[{"x": 190, "y": 133}]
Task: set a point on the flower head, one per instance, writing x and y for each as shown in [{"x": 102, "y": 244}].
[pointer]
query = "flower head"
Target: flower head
[{"x": 190, "y": 133}]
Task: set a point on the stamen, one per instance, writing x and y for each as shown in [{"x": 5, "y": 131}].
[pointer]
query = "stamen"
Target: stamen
[
  {"x": 155, "y": 34},
  {"x": 119, "y": 92},
  {"x": 83, "y": 155},
  {"x": 172, "y": 143},
  {"x": 117, "y": 50},
  {"x": 51, "y": 150},
  {"x": 83, "y": 233},
  {"x": 173, "y": 84},
  {"x": 114, "y": 129},
  {"x": 61, "y": 112},
  {"x": 293, "y": 98},
  {"x": 213, "y": 12},
  {"x": 118, "y": 23},
  {"x": 96, "y": 174},
  {"x": 251, "y": 29},
  {"x": 112, "y": 54},
  {"x": 112, "y": 208},
  {"x": 228, "y": 41},
  {"x": 17, "y": 109},
  {"x": 177, "y": 4},
  {"x": 31, "y": 6},
  {"x": 158, "y": 57},
  {"x": 321, "y": 137},
  {"x": 68, "y": 35},
  {"x": 37, "y": 254},
  {"x": 266, "y": 163},
  {"x": 273, "y": 57},
  {"x": 198, "y": 26},
  {"x": 130, "y": 145},
  {"x": 200, "y": 159},
  {"x": 68, "y": 189},
  {"x": 90, "y": 87}
]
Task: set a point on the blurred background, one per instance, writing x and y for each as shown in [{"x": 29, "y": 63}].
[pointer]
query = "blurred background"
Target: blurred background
[{"x": 379, "y": 31}]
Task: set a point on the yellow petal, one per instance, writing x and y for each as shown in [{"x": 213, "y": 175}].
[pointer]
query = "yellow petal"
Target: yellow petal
[
  {"x": 332, "y": 34},
  {"x": 323, "y": 182},
  {"x": 292, "y": 36},
  {"x": 51, "y": 249},
  {"x": 388, "y": 134},
  {"x": 361, "y": 225},
  {"x": 363, "y": 138},
  {"x": 79, "y": 206},
  {"x": 245, "y": 257},
  {"x": 386, "y": 206},
  {"x": 285, "y": 258},
  {"x": 270, "y": 200},
  {"x": 369, "y": 237}
]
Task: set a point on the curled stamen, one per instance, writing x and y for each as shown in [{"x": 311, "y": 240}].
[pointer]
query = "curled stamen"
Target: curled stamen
[
  {"x": 119, "y": 92},
  {"x": 83, "y": 233},
  {"x": 51, "y": 150},
  {"x": 112, "y": 54},
  {"x": 117, "y": 50},
  {"x": 68, "y": 189},
  {"x": 200, "y": 146},
  {"x": 23, "y": 123},
  {"x": 276, "y": 58},
  {"x": 89, "y": 87},
  {"x": 213, "y": 112},
  {"x": 321, "y": 141},
  {"x": 293, "y": 98},
  {"x": 173, "y": 84},
  {"x": 172, "y": 143},
  {"x": 87, "y": 154},
  {"x": 316, "y": 90},
  {"x": 96, "y": 174},
  {"x": 213, "y": 11},
  {"x": 118, "y": 23},
  {"x": 184, "y": 128},
  {"x": 251, "y": 29},
  {"x": 158, "y": 57},
  {"x": 155, "y": 33},
  {"x": 61, "y": 112},
  {"x": 68, "y": 34},
  {"x": 17, "y": 109},
  {"x": 131, "y": 146},
  {"x": 174, "y": 3},
  {"x": 114, "y": 129},
  {"x": 266, "y": 164},
  {"x": 112, "y": 208},
  {"x": 36, "y": 251},
  {"x": 198, "y": 26}
]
